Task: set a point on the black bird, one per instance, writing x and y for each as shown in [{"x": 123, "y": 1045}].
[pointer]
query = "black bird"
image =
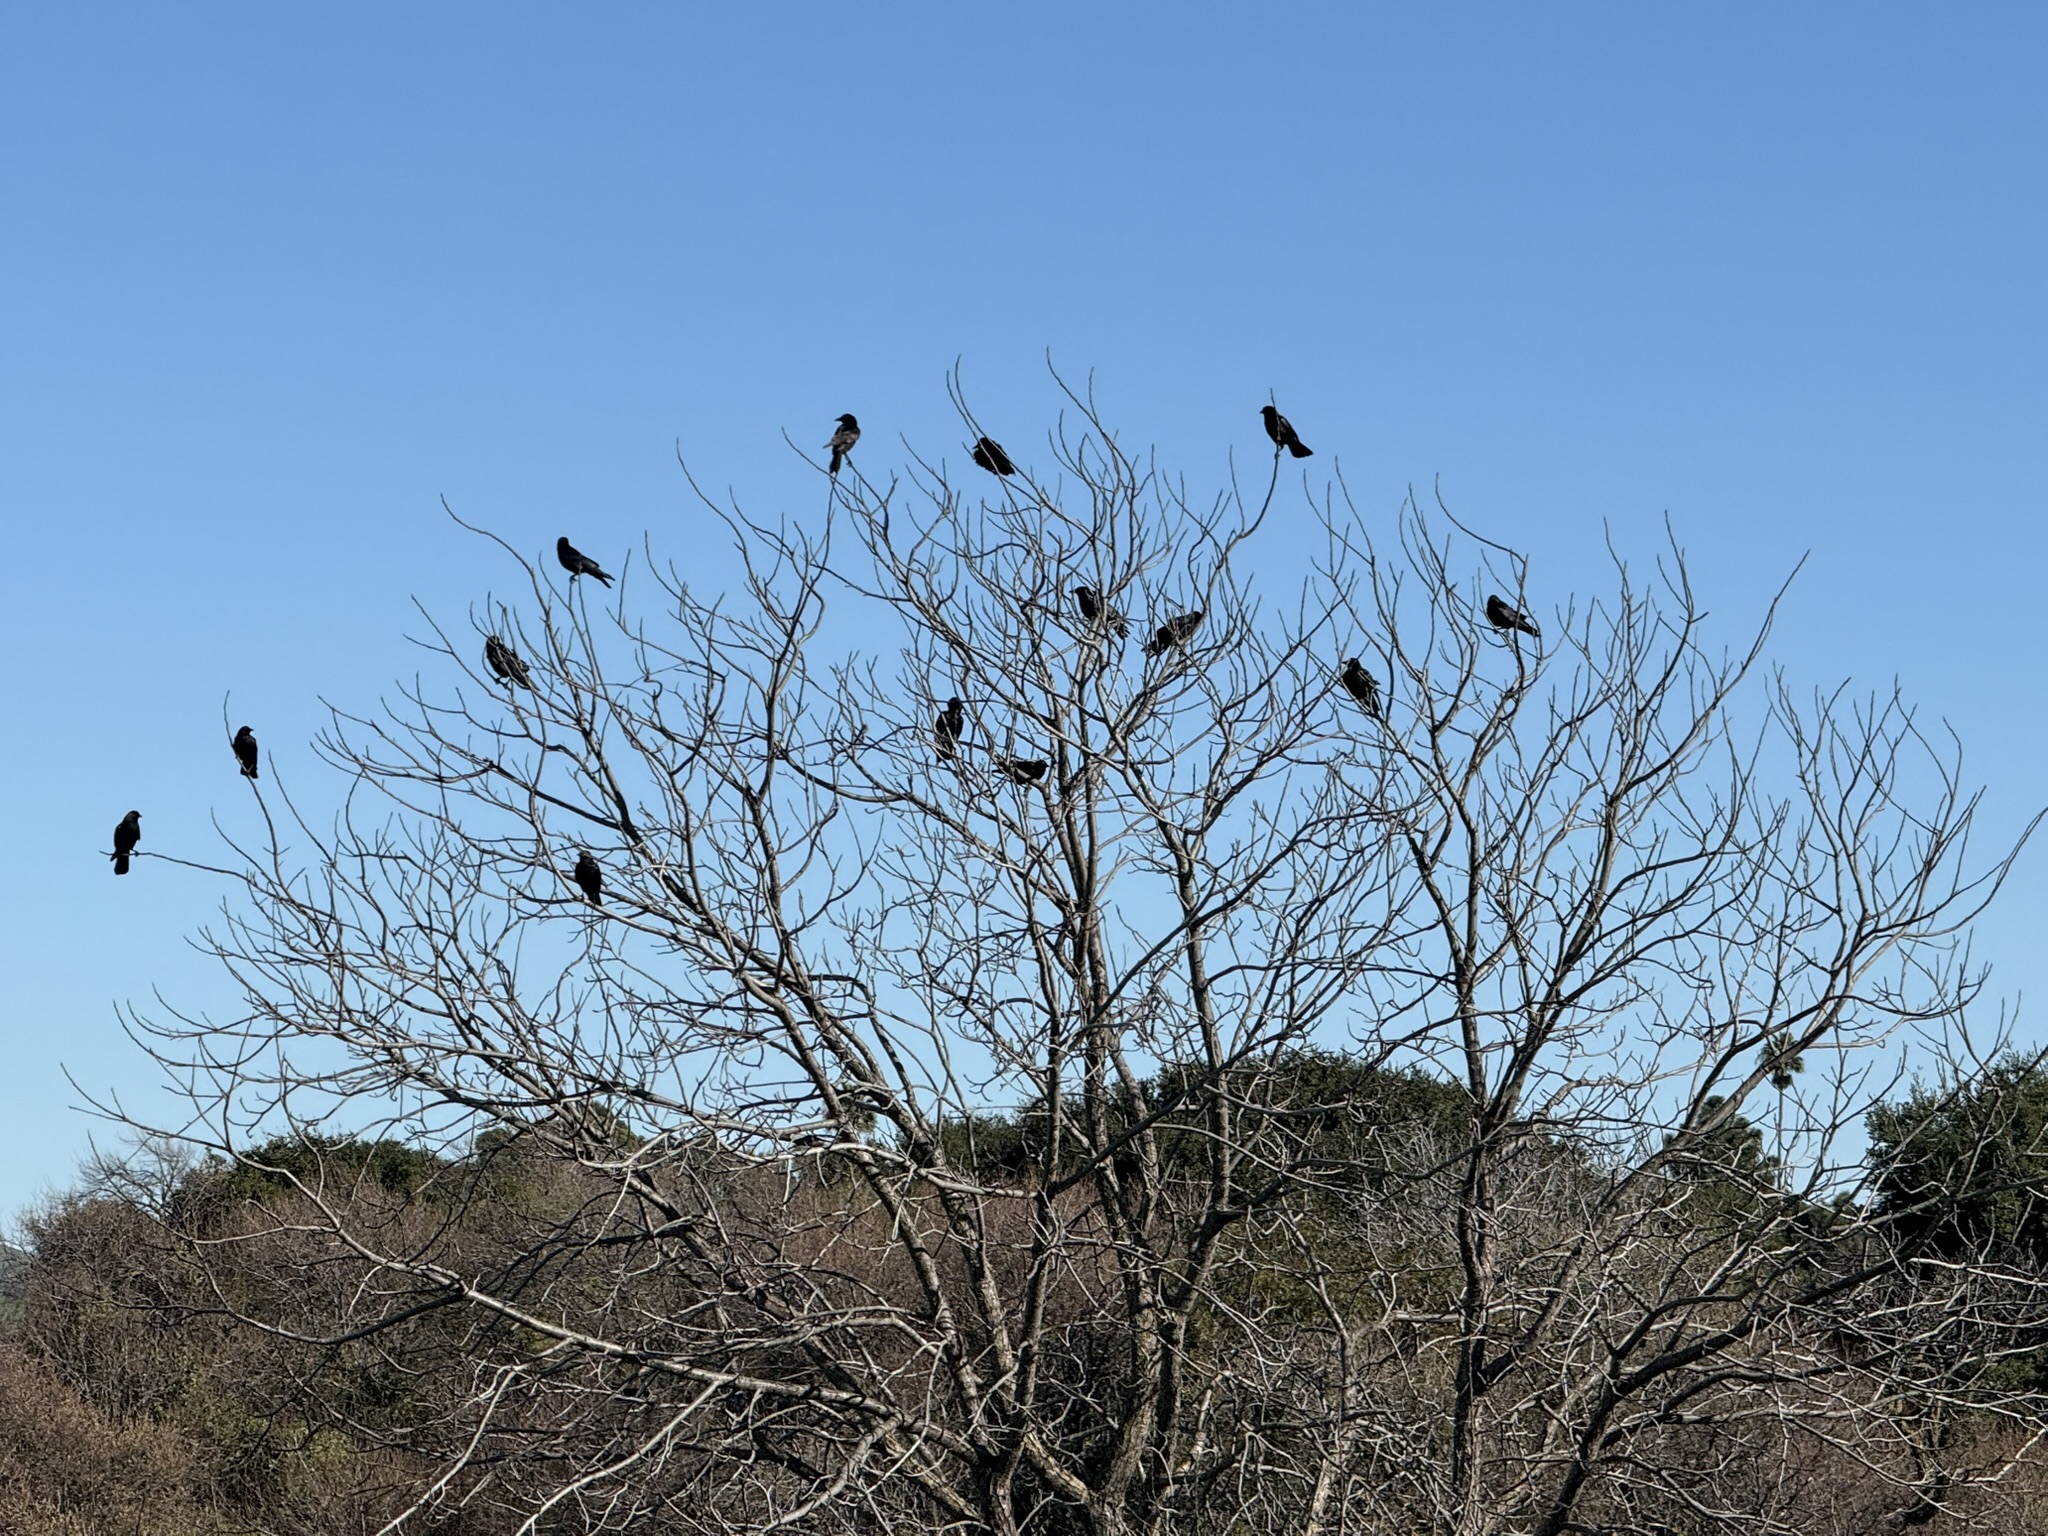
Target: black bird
[
  {"x": 843, "y": 440},
  {"x": 576, "y": 563},
  {"x": 1175, "y": 631},
  {"x": 1024, "y": 770},
  {"x": 504, "y": 661},
  {"x": 590, "y": 878},
  {"x": 949, "y": 727},
  {"x": 1096, "y": 611},
  {"x": 988, "y": 453},
  {"x": 1362, "y": 686},
  {"x": 245, "y": 751},
  {"x": 1281, "y": 430},
  {"x": 126, "y": 836},
  {"x": 1501, "y": 616}
]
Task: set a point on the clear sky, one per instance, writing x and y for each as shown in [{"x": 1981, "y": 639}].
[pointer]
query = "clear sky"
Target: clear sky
[{"x": 274, "y": 279}]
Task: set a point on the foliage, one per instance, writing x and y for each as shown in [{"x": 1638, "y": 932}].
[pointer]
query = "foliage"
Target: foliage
[{"x": 1963, "y": 1169}]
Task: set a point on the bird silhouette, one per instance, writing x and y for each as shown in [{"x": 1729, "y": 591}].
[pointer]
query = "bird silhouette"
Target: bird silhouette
[
  {"x": 1024, "y": 770},
  {"x": 843, "y": 440},
  {"x": 504, "y": 661},
  {"x": 988, "y": 453},
  {"x": 576, "y": 563},
  {"x": 590, "y": 877},
  {"x": 1281, "y": 430},
  {"x": 126, "y": 835},
  {"x": 1096, "y": 611},
  {"x": 949, "y": 727},
  {"x": 245, "y": 751},
  {"x": 1175, "y": 631},
  {"x": 1501, "y": 616},
  {"x": 1362, "y": 686}
]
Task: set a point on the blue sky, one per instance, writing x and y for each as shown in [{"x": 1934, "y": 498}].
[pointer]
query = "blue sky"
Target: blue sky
[{"x": 273, "y": 281}]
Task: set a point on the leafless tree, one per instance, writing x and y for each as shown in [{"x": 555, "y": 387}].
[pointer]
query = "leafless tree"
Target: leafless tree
[{"x": 1269, "y": 1118}]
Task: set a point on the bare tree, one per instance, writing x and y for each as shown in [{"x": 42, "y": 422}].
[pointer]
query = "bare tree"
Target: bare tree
[{"x": 1269, "y": 1116}]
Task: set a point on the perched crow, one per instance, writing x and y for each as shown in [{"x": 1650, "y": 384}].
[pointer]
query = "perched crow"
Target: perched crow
[
  {"x": 843, "y": 440},
  {"x": 1175, "y": 631},
  {"x": 1362, "y": 686},
  {"x": 988, "y": 453},
  {"x": 1281, "y": 430},
  {"x": 504, "y": 661},
  {"x": 1096, "y": 611},
  {"x": 1501, "y": 616},
  {"x": 126, "y": 836},
  {"x": 949, "y": 727},
  {"x": 245, "y": 751},
  {"x": 1024, "y": 770},
  {"x": 590, "y": 878},
  {"x": 576, "y": 563}
]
